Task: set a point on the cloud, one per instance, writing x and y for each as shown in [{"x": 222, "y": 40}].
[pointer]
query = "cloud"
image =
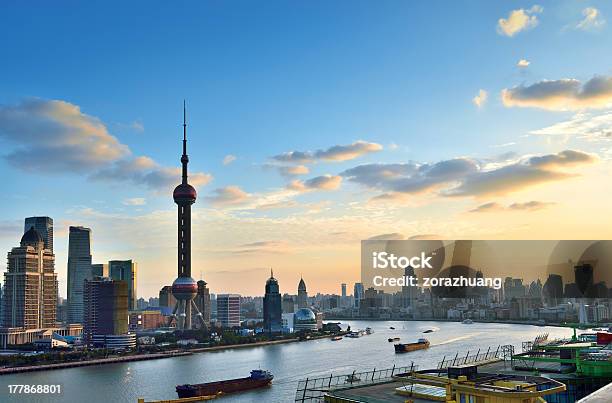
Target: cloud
[
  {"x": 480, "y": 99},
  {"x": 334, "y": 153},
  {"x": 561, "y": 95},
  {"x": 135, "y": 201},
  {"x": 491, "y": 207},
  {"x": 56, "y": 136},
  {"x": 583, "y": 125},
  {"x": 523, "y": 63},
  {"x": 518, "y": 20},
  {"x": 228, "y": 196},
  {"x": 293, "y": 170},
  {"x": 592, "y": 19},
  {"x": 523, "y": 174},
  {"x": 410, "y": 178},
  {"x": 394, "y": 236},
  {"x": 464, "y": 176},
  {"x": 53, "y": 136},
  {"x": 145, "y": 171},
  {"x": 323, "y": 182},
  {"x": 228, "y": 159}
]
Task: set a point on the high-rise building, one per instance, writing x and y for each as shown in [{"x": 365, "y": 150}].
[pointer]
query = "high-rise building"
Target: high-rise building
[
  {"x": 106, "y": 308},
  {"x": 30, "y": 285},
  {"x": 202, "y": 301},
  {"x": 79, "y": 270},
  {"x": 99, "y": 270},
  {"x": 44, "y": 226},
  {"x": 166, "y": 299},
  {"x": 302, "y": 297},
  {"x": 228, "y": 310},
  {"x": 358, "y": 294},
  {"x": 272, "y": 307},
  {"x": 343, "y": 288},
  {"x": 288, "y": 303},
  {"x": 125, "y": 270}
]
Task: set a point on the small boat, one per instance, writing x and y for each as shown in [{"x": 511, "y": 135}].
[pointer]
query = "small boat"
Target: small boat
[
  {"x": 355, "y": 335},
  {"x": 369, "y": 330},
  {"x": 336, "y": 338},
  {"x": 259, "y": 378},
  {"x": 406, "y": 348},
  {"x": 468, "y": 322},
  {"x": 428, "y": 331},
  {"x": 391, "y": 327},
  {"x": 392, "y": 339}
]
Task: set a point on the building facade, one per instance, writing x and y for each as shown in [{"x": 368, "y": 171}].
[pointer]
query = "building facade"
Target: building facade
[
  {"x": 228, "y": 310},
  {"x": 30, "y": 285},
  {"x": 302, "y": 297},
  {"x": 125, "y": 270},
  {"x": 79, "y": 270},
  {"x": 202, "y": 301},
  {"x": 272, "y": 307},
  {"x": 44, "y": 226},
  {"x": 106, "y": 308},
  {"x": 99, "y": 270}
]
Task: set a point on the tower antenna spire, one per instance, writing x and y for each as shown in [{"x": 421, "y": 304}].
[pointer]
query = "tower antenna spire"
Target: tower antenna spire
[{"x": 184, "y": 157}]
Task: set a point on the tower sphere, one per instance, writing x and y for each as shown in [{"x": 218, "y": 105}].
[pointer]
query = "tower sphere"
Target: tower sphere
[
  {"x": 184, "y": 288},
  {"x": 184, "y": 193}
]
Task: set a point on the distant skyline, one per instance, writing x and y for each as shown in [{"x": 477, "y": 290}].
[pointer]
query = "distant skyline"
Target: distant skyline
[{"x": 312, "y": 126}]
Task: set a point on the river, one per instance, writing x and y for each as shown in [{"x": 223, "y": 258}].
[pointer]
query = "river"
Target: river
[{"x": 156, "y": 379}]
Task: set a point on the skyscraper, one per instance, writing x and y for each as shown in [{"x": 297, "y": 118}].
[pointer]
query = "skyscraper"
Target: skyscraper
[
  {"x": 99, "y": 270},
  {"x": 184, "y": 287},
  {"x": 228, "y": 310},
  {"x": 272, "y": 306},
  {"x": 30, "y": 285},
  {"x": 105, "y": 307},
  {"x": 202, "y": 301},
  {"x": 358, "y": 294},
  {"x": 44, "y": 226},
  {"x": 343, "y": 287},
  {"x": 125, "y": 270},
  {"x": 79, "y": 270},
  {"x": 302, "y": 297}
]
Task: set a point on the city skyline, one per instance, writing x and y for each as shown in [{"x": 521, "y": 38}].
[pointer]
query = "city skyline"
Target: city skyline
[{"x": 304, "y": 147}]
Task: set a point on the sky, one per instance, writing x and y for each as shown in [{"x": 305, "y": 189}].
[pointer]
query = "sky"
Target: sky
[{"x": 311, "y": 125}]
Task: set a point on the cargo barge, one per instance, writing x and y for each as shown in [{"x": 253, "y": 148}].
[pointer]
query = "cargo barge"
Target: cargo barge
[
  {"x": 408, "y": 347},
  {"x": 259, "y": 378}
]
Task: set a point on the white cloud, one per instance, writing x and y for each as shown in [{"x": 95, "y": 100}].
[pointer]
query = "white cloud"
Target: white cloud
[
  {"x": 323, "y": 182},
  {"x": 523, "y": 63},
  {"x": 228, "y": 196},
  {"x": 228, "y": 159},
  {"x": 480, "y": 99},
  {"x": 589, "y": 126},
  {"x": 560, "y": 95},
  {"x": 466, "y": 177},
  {"x": 53, "y": 136},
  {"x": 135, "y": 201},
  {"x": 592, "y": 19},
  {"x": 518, "y": 20},
  {"x": 334, "y": 153}
]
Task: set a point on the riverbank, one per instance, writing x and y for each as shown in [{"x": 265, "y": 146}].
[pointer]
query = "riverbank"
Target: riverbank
[
  {"x": 152, "y": 356},
  {"x": 97, "y": 361},
  {"x": 501, "y": 322}
]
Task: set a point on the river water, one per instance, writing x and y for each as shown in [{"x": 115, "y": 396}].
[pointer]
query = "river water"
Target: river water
[{"x": 156, "y": 379}]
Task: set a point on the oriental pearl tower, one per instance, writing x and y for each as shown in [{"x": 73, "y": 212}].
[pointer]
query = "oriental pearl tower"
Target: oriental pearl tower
[{"x": 184, "y": 287}]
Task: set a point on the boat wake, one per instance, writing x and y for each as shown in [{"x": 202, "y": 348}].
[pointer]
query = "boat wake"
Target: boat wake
[{"x": 467, "y": 336}]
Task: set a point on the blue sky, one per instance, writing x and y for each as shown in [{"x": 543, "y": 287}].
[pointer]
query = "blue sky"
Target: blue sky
[{"x": 262, "y": 79}]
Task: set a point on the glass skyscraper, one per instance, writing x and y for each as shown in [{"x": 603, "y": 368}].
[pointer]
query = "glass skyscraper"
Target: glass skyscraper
[
  {"x": 79, "y": 270},
  {"x": 125, "y": 270},
  {"x": 44, "y": 226}
]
